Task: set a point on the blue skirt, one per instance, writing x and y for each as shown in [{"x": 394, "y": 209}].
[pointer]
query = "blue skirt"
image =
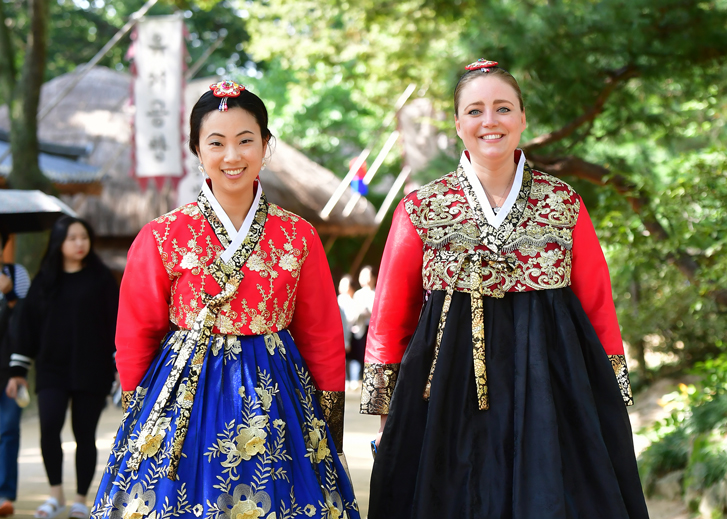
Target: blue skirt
[{"x": 257, "y": 445}]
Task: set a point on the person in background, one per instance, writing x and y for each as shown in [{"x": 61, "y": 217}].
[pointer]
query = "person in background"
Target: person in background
[
  {"x": 14, "y": 284},
  {"x": 364, "y": 303},
  {"x": 67, "y": 326},
  {"x": 349, "y": 316}
]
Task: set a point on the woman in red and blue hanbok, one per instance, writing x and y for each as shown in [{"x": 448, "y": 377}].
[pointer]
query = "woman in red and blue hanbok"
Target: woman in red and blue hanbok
[
  {"x": 230, "y": 348},
  {"x": 494, "y": 355}
]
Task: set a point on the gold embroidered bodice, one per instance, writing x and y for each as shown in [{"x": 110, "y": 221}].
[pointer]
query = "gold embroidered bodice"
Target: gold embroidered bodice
[
  {"x": 265, "y": 301},
  {"x": 531, "y": 250}
]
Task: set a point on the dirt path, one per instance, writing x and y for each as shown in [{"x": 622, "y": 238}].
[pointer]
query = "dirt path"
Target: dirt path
[{"x": 359, "y": 430}]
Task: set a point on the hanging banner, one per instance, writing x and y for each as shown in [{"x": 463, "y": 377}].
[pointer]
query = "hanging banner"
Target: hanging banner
[{"x": 158, "y": 96}]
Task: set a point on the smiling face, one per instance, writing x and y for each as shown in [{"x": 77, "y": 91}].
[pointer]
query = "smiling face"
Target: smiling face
[
  {"x": 489, "y": 120},
  {"x": 231, "y": 149}
]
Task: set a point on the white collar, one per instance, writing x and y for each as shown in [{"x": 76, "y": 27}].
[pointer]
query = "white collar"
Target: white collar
[
  {"x": 493, "y": 219},
  {"x": 236, "y": 237}
]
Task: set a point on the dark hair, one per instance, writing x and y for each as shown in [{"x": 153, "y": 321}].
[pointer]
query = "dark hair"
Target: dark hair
[
  {"x": 209, "y": 103},
  {"x": 4, "y": 236},
  {"x": 471, "y": 75},
  {"x": 51, "y": 266}
]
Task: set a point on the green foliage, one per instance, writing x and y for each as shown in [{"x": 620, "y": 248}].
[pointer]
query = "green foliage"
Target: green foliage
[
  {"x": 652, "y": 297},
  {"x": 80, "y": 28},
  {"x": 693, "y": 438},
  {"x": 661, "y": 129},
  {"x": 330, "y": 72}
]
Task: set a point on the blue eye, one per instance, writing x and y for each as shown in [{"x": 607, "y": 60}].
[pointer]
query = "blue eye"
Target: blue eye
[
  {"x": 474, "y": 112},
  {"x": 503, "y": 109}
]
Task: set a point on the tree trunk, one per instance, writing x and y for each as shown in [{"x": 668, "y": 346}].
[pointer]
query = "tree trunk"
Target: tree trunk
[
  {"x": 7, "y": 60},
  {"x": 23, "y": 98},
  {"x": 23, "y": 105}
]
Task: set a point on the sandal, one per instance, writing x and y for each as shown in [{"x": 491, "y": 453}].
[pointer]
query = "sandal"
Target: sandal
[
  {"x": 79, "y": 511},
  {"x": 50, "y": 509},
  {"x": 6, "y": 507}
]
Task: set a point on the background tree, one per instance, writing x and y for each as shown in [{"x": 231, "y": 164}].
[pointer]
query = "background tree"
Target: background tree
[
  {"x": 40, "y": 40},
  {"x": 22, "y": 93},
  {"x": 623, "y": 101}
]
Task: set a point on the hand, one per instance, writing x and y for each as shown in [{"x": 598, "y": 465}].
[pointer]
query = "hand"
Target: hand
[
  {"x": 12, "y": 388},
  {"x": 6, "y": 284},
  {"x": 381, "y": 429}
]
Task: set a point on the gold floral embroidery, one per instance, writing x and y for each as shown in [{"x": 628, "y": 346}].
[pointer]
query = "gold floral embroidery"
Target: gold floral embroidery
[
  {"x": 253, "y": 438},
  {"x": 229, "y": 276},
  {"x": 478, "y": 342},
  {"x": 618, "y": 363},
  {"x": 378, "y": 387},
  {"x": 126, "y": 397},
  {"x": 192, "y": 260},
  {"x": 333, "y": 505},
  {"x": 333, "y": 405},
  {"x": 317, "y": 442}
]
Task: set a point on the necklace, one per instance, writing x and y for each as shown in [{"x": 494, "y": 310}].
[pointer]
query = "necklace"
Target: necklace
[{"x": 496, "y": 207}]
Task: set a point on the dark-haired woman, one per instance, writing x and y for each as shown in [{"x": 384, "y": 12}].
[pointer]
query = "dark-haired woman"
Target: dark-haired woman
[
  {"x": 67, "y": 327},
  {"x": 230, "y": 347},
  {"x": 494, "y": 355}
]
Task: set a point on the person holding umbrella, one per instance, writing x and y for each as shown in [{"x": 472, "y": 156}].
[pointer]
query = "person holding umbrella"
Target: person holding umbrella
[{"x": 14, "y": 284}]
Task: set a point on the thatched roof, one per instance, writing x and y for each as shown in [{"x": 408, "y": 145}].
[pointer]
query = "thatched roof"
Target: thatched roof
[{"x": 97, "y": 115}]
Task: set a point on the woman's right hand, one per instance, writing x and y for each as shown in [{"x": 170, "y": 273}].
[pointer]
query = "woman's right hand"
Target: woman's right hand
[{"x": 12, "y": 388}]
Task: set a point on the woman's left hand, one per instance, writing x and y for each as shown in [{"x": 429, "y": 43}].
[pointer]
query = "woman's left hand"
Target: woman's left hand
[{"x": 12, "y": 388}]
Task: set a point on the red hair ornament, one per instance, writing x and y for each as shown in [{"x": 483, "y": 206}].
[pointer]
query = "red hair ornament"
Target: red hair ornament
[
  {"x": 225, "y": 89},
  {"x": 482, "y": 63}
]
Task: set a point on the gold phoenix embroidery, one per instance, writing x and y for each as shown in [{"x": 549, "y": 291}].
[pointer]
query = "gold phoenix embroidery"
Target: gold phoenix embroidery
[{"x": 531, "y": 249}]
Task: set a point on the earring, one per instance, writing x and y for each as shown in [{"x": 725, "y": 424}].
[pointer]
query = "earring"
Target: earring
[
  {"x": 265, "y": 163},
  {"x": 201, "y": 169}
]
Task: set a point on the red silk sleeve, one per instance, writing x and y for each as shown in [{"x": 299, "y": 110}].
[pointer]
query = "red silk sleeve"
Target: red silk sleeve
[
  {"x": 316, "y": 326},
  {"x": 591, "y": 283},
  {"x": 399, "y": 293},
  {"x": 143, "y": 310}
]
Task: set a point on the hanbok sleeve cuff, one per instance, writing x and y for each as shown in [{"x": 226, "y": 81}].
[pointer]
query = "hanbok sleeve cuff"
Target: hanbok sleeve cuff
[
  {"x": 378, "y": 387},
  {"x": 618, "y": 363},
  {"x": 333, "y": 404}
]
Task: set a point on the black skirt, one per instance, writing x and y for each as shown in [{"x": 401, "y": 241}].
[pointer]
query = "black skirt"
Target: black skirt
[{"x": 555, "y": 443}]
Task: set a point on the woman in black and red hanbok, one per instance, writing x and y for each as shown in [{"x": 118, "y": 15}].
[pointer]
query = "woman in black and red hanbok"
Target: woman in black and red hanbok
[{"x": 494, "y": 354}]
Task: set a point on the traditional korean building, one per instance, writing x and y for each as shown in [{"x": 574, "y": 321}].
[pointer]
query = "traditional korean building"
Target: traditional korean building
[{"x": 87, "y": 153}]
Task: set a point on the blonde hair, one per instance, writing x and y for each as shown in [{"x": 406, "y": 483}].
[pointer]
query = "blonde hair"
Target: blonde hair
[{"x": 471, "y": 75}]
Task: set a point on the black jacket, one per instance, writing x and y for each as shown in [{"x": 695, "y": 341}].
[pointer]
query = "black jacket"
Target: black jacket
[{"x": 69, "y": 330}]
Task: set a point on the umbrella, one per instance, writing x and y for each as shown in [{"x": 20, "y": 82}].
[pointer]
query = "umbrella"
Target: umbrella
[{"x": 29, "y": 211}]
